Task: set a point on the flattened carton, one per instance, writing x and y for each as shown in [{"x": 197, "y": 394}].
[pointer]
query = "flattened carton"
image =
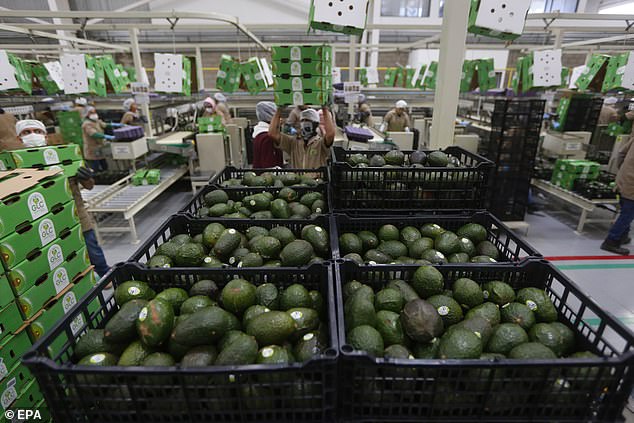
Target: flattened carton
[
  {"x": 303, "y": 82},
  {"x": 28, "y": 194},
  {"x": 40, "y": 157},
  {"x": 10, "y": 387},
  {"x": 298, "y": 68},
  {"x": 228, "y": 76},
  {"x": 321, "y": 53},
  {"x": 6, "y": 294},
  {"x": 11, "y": 350},
  {"x": 594, "y": 75},
  {"x": 30, "y": 398},
  {"x": 10, "y": 319},
  {"x": 429, "y": 82},
  {"x": 296, "y": 98}
]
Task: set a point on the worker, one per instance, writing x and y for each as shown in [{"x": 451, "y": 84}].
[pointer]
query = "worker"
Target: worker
[
  {"x": 619, "y": 233},
  {"x": 309, "y": 149},
  {"x": 365, "y": 113},
  {"x": 80, "y": 105},
  {"x": 265, "y": 154},
  {"x": 294, "y": 117},
  {"x": 397, "y": 119},
  {"x": 322, "y": 126},
  {"x": 131, "y": 115},
  {"x": 609, "y": 114},
  {"x": 221, "y": 106},
  {"x": 32, "y": 133},
  {"x": 93, "y": 133},
  {"x": 210, "y": 106},
  {"x": 8, "y": 137}
]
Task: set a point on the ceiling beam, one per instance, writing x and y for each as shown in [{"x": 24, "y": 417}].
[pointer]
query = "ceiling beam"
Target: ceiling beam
[
  {"x": 126, "y": 8},
  {"x": 36, "y": 20},
  {"x": 10, "y": 28}
]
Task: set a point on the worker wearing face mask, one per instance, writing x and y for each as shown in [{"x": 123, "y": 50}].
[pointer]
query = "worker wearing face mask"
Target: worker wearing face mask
[
  {"x": 210, "y": 109},
  {"x": 221, "y": 106},
  {"x": 310, "y": 147},
  {"x": 32, "y": 134},
  {"x": 93, "y": 132},
  {"x": 397, "y": 119},
  {"x": 131, "y": 115}
]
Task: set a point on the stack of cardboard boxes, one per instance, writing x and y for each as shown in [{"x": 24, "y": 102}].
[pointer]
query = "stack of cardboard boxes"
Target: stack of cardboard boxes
[
  {"x": 65, "y": 157},
  {"x": 302, "y": 74},
  {"x": 210, "y": 124},
  {"x": 567, "y": 171},
  {"x": 70, "y": 127},
  {"x": 254, "y": 75},
  {"x": 46, "y": 271}
]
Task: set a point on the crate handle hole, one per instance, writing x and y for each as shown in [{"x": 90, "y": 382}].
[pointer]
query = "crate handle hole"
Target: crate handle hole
[
  {"x": 330, "y": 352},
  {"x": 347, "y": 349}
]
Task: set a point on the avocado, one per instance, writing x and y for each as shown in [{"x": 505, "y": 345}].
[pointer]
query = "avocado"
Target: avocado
[
  {"x": 238, "y": 254},
  {"x": 377, "y": 161},
  {"x": 211, "y": 262},
  {"x": 354, "y": 257},
  {"x": 365, "y": 292},
  {"x": 219, "y": 209},
  {"x": 487, "y": 248},
  {"x": 318, "y": 238},
  {"x": 295, "y": 295},
  {"x": 299, "y": 210},
  {"x": 467, "y": 292},
  {"x": 255, "y": 231},
  {"x": 426, "y": 351},
  {"x": 473, "y": 231},
  {"x": 550, "y": 336},
  {"x": 458, "y": 258},
  {"x": 274, "y": 354},
  {"x": 407, "y": 292},
  {"x": 267, "y": 295},
  {"x": 200, "y": 356},
  {"x": 417, "y": 157},
  {"x": 434, "y": 256},
  {"x": 394, "y": 158},
  {"x": 195, "y": 303},
  {"x": 448, "y": 309},
  {"x": 257, "y": 202},
  {"x": 202, "y": 327},
  {"x": 175, "y": 296},
  {"x": 531, "y": 351},
  {"x": 283, "y": 234},
  {"x": 319, "y": 207},
  {"x": 287, "y": 194},
  {"x": 251, "y": 260},
  {"x": 215, "y": 197},
  {"x": 368, "y": 239},
  {"x": 421, "y": 322},
  {"x": 519, "y": 314},
  {"x": 505, "y": 337},
  {"x": 388, "y": 324},
  {"x": 567, "y": 336},
  {"x": 280, "y": 209},
  {"x": 181, "y": 239},
  {"x": 158, "y": 359},
  {"x": 134, "y": 354},
  {"x": 359, "y": 311},
  {"x": 489, "y": 311},
  {"x": 238, "y": 295},
  {"x": 296, "y": 253},
  {"x": 251, "y": 312},
  {"x": 309, "y": 198},
  {"x": 203, "y": 212},
  {"x": 307, "y": 347},
  {"x": 398, "y": 352},
  {"x": 227, "y": 243},
  {"x": 389, "y": 299},
  {"x": 447, "y": 243},
  {"x": 431, "y": 230},
  {"x": 478, "y": 325},
  {"x": 427, "y": 281},
  {"x": 350, "y": 243},
  {"x": 482, "y": 259},
  {"x": 267, "y": 246},
  {"x": 460, "y": 344},
  {"x": 133, "y": 290},
  {"x": 538, "y": 301},
  {"x": 160, "y": 261},
  {"x": 262, "y": 215},
  {"x": 498, "y": 292},
  {"x": 189, "y": 255},
  {"x": 393, "y": 249},
  {"x": 121, "y": 327},
  {"x": 417, "y": 247},
  {"x": 100, "y": 359},
  {"x": 466, "y": 246},
  {"x": 290, "y": 178},
  {"x": 409, "y": 234},
  {"x": 211, "y": 233},
  {"x": 306, "y": 320},
  {"x": 367, "y": 339},
  {"x": 376, "y": 257},
  {"x": 317, "y": 303},
  {"x": 93, "y": 342},
  {"x": 273, "y": 327},
  {"x": 169, "y": 249},
  {"x": 155, "y": 322},
  {"x": 389, "y": 233},
  {"x": 242, "y": 350},
  {"x": 437, "y": 159}
]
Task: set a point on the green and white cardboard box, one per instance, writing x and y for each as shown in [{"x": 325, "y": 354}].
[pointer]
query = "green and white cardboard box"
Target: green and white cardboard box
[
  {"x": 303, "y": 82},
  {"x": 469, "y": 79},
  {"x": 594, "y": 75},
  {"x": 296, "y": 98},
  {"x": 228, "y": 76},
  {"x": 429, "y": 82},
  {"x": 40, "y": 156},
  {"x": 112, "y": 72},
  {"x": 28, "y": 194},
  {"x": 254, "y": 75},
  {"x": 10, "y": 319},
  {"x": 30, "y": 398},
  {"x": 501, "y": 19},
  {"x": 299, "y": 68},
  {"x": 82, "y": 74},
  {"x": 96, "y": 76},
  {"x": 11, "y": 386},
  {"x": 486, "y": 74},
  {"x": 23, "y": 73},
  {"x": 337, "y": 16},
  {"x": 620, "y": 73},
  {"x": 53, "y": 284},
  {"x": 390, "y": 77},
  {"x": 6, "y": 293},
  {"x": 543, "y": 69},
  {"x": 12, "y": 348},
  {"x": 172, "y": 73},
  {"x": 298, "y": 53},
  {"x": 14, "y": 75},
  {"x": 44, "y": 78}
]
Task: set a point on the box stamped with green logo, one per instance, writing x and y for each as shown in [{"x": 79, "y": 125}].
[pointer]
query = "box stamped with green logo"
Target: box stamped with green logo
[
  {"x": 6, "y": 293},
  {"x": 10, "y": 319},
  {"x": 40, "y": 156},
  {"x": 13, "y": 384},
  {"x": 12, "y": 348}
]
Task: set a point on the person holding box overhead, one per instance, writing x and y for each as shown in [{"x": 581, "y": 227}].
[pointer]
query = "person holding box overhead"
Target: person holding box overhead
[
  {"x": 397, "y": 119},
  {"x": 93, "y": 132},
  {"x": 309, "y": 149}
]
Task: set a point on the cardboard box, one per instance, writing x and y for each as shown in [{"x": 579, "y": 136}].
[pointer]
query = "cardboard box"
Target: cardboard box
[
  {"x": 28, "y": 194},
  {"x": 112, "y": 72},
  {"x": 321, "y": 53},
  {"x": 297, "y": 98},
  {"x": 429, "y": 83},
  {"x": 45, "y": 230},
  {"x": 592, "y": 78},
  {"x": 498, "y": 18},
  {"x": 12, "y": 348},
  {"x": 96, "y": 76},
  {"x": 469, "y": 78},
  {"x": 30, "y": 398},
  {"x": 22, "y": 73},
  {"x": 54, "y": 283},
  {"x": 44, "y": 78},
  {"x": 303, "y": 82},
  {"x": 485, "y": 69},
  {"x": 6, "y": 293},
  {"x": 228, "y": 76},
  {"x": 69, "y": 169},
  {"x": 349, "y": 18},
  {"x": 253, "y": 75},
  {"x": 44, "y": 260},
  {"x": 10, "y": 319},
  {"x": 40, "y": 156},
  {"x": 620, "y": 73},
  {"x": 187, "y": 76},
  {"x": 389, "y": 79},
  {"x": 153, "y": 176},
  {"x": 55, "y": 310},
  {"x": 299, "y": 68},
  {"x": 129, "y": 150},
  {"x": 211, "y": 124},
  {"x": 19, "y": 377}
]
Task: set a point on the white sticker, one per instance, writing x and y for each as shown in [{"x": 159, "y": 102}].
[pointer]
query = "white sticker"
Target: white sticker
[
  {"x": 55, "y": 256},
  {"x": 97, "y": 358},
  {"x": 296, "y": 53},
  {"x": 531, "y": 304},
  {"x": 296, "y": 84},
  {"x": 478, "y": 334},
  {"x": 267, "y": 352},
  {"x": 2, "y": 166},
  {"x": 232, "y": 378},
  {"x": 221, "y": 74},
  {"x": 90, "y": 74},
  {"x": 77, "y": 324},
  {"x": 133, "y": 290},
  {"x": 37, "y": 205},
  {"x": 318, "y": 210},
  {"x": 143, "y": 314},
  {"x": 231, "y": 260},
  {"x": 485, "y": 294},
  {"x": 232, "y": 231},
  {"x": 50, "y": 156},
  {"x": 297, "y": 315},
  {"x": 116, "y": 73},
  {"x": 318, "y": 229},
  {"x": 308, "y": 336},
  {"x": 46, "y": 230},
  {"x": 3, "y": 369},
  {"x": 252, "y": 202},
  {"x": 9, "y": 395},
  {"x": 60, "y": 279},
  {"x": 443, "y": 310},
  {"x": 296, "y": 68}
]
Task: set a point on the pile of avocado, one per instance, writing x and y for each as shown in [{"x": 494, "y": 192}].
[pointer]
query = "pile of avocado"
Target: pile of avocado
[
  {"x": 286, "y": 204},
  {"x": 236, "y": 325},
  {"x": 396, "y": 158},
  {"x": 268, "y": 179},
  {"x": 420, "y": 319},
  {"x": 431, "y": 244},
  {"x": 256, "y": 247}
]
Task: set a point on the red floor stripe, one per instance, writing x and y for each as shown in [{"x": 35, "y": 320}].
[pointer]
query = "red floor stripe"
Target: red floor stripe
[{"x": 581, "y": 258}]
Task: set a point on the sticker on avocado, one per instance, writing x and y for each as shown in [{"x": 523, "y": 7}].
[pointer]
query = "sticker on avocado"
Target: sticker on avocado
[
  {"x": 60, "y": 279},
  {"x": 143, "y": 314},
  {"x": 46, "y": 230},
  {"x": 485, "y": 294},
  {"x": 3, "y": 369},
  {"x": 443, "y": 310},
  {"x": 97, "y": 358},
  {"x": 531, "y": 304},
  {"x": 9, "y": 395},
  {"x": 318, "y": 229},
  {"x": 50, "y": 156},
  {"x": 297, "y": 315},
  {"x": 37, "y": 205},
  {"x": 133, "y": 290},
  {"x": 55, "y": 256},
  {"x": 267, "y": 352},
  {"x": 308, "y": 336}
]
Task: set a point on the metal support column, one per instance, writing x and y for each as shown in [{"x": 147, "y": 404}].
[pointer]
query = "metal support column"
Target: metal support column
[
  {"x": 352, "y": 63},
  {"x": 138, "y": 68},
  {"x": 452, "y": 52},
  {"x": 199, "y": 69},
  {"x": 362, "y": 50}
]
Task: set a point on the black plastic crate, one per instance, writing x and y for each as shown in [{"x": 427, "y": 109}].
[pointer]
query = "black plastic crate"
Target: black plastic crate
[
  {"x": 374, "y": 189},
  {"x": 237, "y": 194},
  {"x": 231, "y": 172},
  {"x": 181, "y": 224},
  {"x": 300, "y": 392},
  {"x": 510, "y": 246},
  {"x": 379, "y": 390}
]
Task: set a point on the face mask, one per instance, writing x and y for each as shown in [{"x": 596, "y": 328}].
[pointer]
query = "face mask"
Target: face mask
[
  {"x": 93, "y": 116},
  {"x": 308, "y": 131},
  {"x": 34, "y": 140},
  {"x": 209, "y": 109}
]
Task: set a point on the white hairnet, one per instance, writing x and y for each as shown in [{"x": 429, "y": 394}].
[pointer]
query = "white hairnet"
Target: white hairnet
[
  {"x": 310, "y": 114},
  {"x": 265, "y": 110},
  {"x": 127, "y": 103},
  {"x": 610, "y": 100},
  {"x": 209, "y": 100},
  {"x": 220, "y": 97},
  {"x": 81, "y": 101},
  {"x": 88, "y": 110},
  {"x": 21, "y": 125},
  {"x": 401, "y": 104}
]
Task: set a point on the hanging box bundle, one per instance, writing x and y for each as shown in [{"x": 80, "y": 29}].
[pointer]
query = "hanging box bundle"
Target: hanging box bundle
[
  {"x": 44, "y": 78},
  {"x": 253, "y": 75},
  {"x": 15, "y": 74},
  {"x": 429, "y": 82},
  {"x": 349, "y": 18},
  {"x": 620, "y": 73},
  {"x": 113, "y": 73},
  {"x": 486, "y": 74},
  {"x": 498, "y": 18},
  {"x": 228, "y": 77},
  {"x": 592, "y": 78}
]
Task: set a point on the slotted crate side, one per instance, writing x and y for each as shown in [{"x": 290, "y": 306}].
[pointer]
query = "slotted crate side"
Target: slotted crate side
[
  {"x": 378, "y": 390},
  {"x": 300, "y": 392},
  {"x": 510, "y": 246},
  {"x": 181, "y": 224},
  {"x": 231, "y": 172},
  {"x": 237, "y": 194}
]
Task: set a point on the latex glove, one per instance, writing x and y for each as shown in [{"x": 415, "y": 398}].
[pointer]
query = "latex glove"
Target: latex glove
[
  {"x": 85, "y": 173},
  {"x": 406, "y": 129},
  {"x": 109, "y": 137},
  {"x": 382, "y": 128},
  {"x": 117, "y": 125}
]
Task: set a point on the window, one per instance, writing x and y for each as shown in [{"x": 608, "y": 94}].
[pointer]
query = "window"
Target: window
[
  {"x": 618, "y": 9},
  {"x": 405, "y": 8},
  {"x": 547, "y": 6}
]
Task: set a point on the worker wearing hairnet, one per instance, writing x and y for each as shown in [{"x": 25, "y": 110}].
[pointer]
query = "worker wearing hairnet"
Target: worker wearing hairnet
[
  {"x": 308, "y": 149},
  {"x": 365, "y": 112},
  {"x": 32, "y": 134},
  {"x": 131, "y": 115},
  {"x": 80, "y": 105},
  {"x": 93, "y": 132},
  {"x": 397, "y": 119},
  {"x": 210, "y": 107},
  {"x": 221, "y": 106},
  {"x": 265, "y": 154},
  {"x": 608, "y": 114}
]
